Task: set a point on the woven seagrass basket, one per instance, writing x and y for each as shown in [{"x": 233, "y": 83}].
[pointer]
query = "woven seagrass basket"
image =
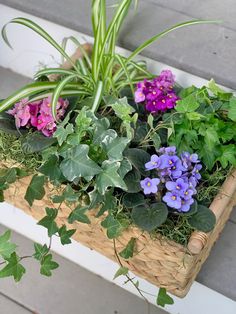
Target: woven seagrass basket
[{"x": 162, "y": 262}]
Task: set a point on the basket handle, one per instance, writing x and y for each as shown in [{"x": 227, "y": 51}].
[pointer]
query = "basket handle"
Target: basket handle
[{"x": 199, "y": 239}]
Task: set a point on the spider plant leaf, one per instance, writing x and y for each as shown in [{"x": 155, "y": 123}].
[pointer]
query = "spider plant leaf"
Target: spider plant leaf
[
  {"x": 162, "y": 34},
  {"x": 49, "y": 71},
  {"x": 39, "y": 30},
  {"x": 98, "y": 96},
  {"x": 57, "y": 92},
  {"x": 27, "y": 91}
]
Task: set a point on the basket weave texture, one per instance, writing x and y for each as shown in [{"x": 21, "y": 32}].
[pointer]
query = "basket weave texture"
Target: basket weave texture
[{"x": 162, "y": 262}]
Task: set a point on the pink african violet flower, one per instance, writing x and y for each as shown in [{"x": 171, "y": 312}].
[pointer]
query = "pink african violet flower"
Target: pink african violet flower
[
  {"x": 157, "y": 94},
  {"x": 21, "y": 112},
  {"x": 38, "y": 114}
]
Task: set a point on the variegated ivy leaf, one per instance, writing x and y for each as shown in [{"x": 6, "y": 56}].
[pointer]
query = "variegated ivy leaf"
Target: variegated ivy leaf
[
  {"x": 76, "y": 163},
  {"x": 109, "y": 177}
]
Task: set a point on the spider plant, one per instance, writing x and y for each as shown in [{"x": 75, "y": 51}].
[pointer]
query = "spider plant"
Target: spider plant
[{"x": 91, "y": 76}]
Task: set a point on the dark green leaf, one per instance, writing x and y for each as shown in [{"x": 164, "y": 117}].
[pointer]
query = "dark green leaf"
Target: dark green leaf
[
  {"x": 204, "y": 220},
  {"x": 122, "y": 271},
  {"x": 35, "y": 190},
  {"x": 47, "y": 264},
  {"x": 36, "y": 142},
  {"x": 132, "y": 181},
  {"x": 68, "y": 195},
  {"x": 51, "y": 169},
  {"x": 78, "y": 214},
  {"x": 48, "y": 221},
  {"x": 65, "y": 235},
  {"x": 150, "y": 217},
  {"x": 163, "y": 298},
  {"x": 131, "y": 200},
  {"x": 6, "y": 247},
  {"x": 108, "y": 203},
  {"x": 113, "y": 227},
  {"x": 138, "y": 158},
  {"x": 40, "y": 251},
  {"x": 128, "y": 251},
  {"x": 78, "y": 164},
  {"x": 13, "y": 268}
]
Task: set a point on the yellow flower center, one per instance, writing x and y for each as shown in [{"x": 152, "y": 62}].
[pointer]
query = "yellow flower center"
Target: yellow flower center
[
  {"x": 149, "y": 184},
  {"x": 163, "y": 100},
  {"x": 170, "y": 162},
  {"x": 177, "y": 187},
  {"x": 173, "y": 198}
]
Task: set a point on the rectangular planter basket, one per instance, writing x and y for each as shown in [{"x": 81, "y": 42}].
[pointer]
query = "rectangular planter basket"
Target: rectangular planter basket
[{"x": 162, "y": 262}]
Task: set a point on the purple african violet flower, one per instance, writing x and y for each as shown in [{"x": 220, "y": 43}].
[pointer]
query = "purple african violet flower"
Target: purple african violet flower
[
  {"x": 195, "y": 171},
  {"x": 154, "y": 163},
  {"x": 185, "y": 205},
  {"x": 171, "y": 150},
  {"x": 166, "y": 79},
  {"x": 189, "y": 159},
  {"x": 150, "y": 185},
  {"x": 172, "y": 199},
  {"x": 179, "y": 186}
]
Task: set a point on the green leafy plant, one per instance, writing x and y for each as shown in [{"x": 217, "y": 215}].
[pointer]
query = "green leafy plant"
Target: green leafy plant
[{"x": 100, "y": 146}]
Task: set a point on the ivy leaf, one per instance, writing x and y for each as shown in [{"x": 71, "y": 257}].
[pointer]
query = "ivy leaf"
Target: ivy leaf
[
  {"x": 232, "y": 109},
  {"x": 51, "y": 169},
  {"x": 62, "y": 132},
  {"x": 65, "y": 235},
  {"x": 13, "y": 268},
  {"x": 108, "y": 204},
  {"x": 204, "y": 220},
  {"x": 40, "y": 251},
  {"x": 122, "y": 271},
  {"x": 109, "y": 177},
  {"x": 35, "y": 190},
  {"x": 47, "y": 264},
  {"x": 138, "y": 158},
  {"x": 125, "y": 167},
  {"x": 122, "y": 109},
  {"x": 78, "y": 164},
  {"x": 128, "y": 251},
  {"x": 36, "y": 142},
  {"x": 113, "y": 227},
  {"x": 6, "y": 247},
  {"x": 68, "y": 195},
  {"x": 78, "y": 214},
  {"x": 149, "y": 217},
  {"x": 48, "y": 221},
  {"x": 116, "y": 147},
  {"x": 187, "y": 104},
  {"x": 163, "y": 298}
]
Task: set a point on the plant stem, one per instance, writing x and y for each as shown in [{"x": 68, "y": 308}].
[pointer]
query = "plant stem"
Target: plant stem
[{"x": 129, "y": 279}]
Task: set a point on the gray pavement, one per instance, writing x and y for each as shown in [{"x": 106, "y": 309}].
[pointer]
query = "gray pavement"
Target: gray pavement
[{"x": 204, "y": 50}]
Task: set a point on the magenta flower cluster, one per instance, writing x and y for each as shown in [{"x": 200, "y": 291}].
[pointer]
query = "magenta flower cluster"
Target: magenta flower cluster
[
  {"x": 176, "y": 177},
  {"x": 38, "y": 114},
  {"x": 158, "y": 94}
]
